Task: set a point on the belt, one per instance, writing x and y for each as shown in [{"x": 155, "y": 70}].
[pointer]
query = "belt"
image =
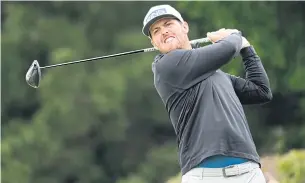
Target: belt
[
  {"x": 228, "y": 171},
  {"x": 221, "y": 161}
]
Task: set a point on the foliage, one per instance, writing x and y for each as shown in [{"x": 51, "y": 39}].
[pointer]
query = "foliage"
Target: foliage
[
  {"x": 291, "y": 167},
  {"x": 104, "y": 121}
]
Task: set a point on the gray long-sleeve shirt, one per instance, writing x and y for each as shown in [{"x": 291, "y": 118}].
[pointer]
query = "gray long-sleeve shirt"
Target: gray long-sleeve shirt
[{"x": 205, "y": 104}]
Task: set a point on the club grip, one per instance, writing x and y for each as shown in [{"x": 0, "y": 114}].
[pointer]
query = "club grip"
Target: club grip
[
  {"x": 202, "y": 40},
  {"x": 149, "y": 49},
  {"x": 193, "y": 42}
]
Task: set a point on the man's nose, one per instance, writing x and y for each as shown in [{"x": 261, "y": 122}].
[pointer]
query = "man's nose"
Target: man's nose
[{"x": 164, "y": 31}]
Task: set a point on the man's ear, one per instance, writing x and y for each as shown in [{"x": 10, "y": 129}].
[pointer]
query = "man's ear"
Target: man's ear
[{"x": 185, "y": 26}]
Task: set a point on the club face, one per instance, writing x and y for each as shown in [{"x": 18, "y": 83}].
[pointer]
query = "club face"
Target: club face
[{"x": 33, "y": 75}]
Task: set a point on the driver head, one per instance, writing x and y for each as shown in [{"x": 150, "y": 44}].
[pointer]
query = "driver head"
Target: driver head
[{"x": 33, "y": 75}]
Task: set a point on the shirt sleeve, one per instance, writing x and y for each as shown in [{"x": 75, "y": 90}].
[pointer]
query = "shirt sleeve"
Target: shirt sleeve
[
  {"x": 185, "y": 68},
  {"x": 255, "y": 88}
]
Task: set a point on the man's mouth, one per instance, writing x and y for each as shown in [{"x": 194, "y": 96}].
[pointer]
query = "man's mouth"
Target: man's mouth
[{"x": 169, "y": 39}]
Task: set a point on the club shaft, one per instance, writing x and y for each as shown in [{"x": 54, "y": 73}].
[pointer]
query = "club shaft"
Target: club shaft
[
  {"x": 202, "y": 40},
  {"x": 98, "y": 58}
]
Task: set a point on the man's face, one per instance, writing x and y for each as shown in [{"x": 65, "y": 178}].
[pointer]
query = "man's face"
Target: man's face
[{"x": 168, "y": 34}]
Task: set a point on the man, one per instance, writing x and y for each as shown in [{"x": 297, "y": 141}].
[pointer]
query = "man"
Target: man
[{"x": 204, "y": 103}]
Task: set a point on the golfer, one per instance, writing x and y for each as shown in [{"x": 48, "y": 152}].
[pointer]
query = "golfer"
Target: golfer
[{"x": 204, "y": 103}]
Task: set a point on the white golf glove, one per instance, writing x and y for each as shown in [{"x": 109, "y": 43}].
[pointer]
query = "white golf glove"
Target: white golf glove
[{"x": 245, "y": 43}]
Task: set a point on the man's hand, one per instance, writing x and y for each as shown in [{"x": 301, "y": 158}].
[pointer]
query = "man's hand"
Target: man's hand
[{"x": 220, "y": 34}]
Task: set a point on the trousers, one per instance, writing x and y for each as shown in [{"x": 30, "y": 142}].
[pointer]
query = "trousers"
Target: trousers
[{"x": 248, "y": 172}]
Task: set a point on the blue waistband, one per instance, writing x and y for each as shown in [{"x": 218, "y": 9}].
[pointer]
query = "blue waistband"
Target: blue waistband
[{"x": 221, "y": 161}]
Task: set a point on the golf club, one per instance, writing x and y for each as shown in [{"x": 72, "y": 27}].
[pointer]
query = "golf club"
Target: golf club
[{"x": 33, "y": 75}]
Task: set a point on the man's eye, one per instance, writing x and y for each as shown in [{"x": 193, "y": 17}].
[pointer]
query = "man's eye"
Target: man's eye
[{"x": 155, "y": 31}]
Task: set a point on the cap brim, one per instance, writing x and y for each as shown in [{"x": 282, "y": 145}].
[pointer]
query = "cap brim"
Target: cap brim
[{"x": 145, "y": 29}]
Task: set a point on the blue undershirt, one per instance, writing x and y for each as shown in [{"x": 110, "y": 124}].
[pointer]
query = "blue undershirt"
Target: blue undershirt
[{"x": 221, "y": 161}]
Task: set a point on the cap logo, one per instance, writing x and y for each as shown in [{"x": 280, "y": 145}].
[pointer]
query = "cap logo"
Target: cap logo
[{"x": 155, "y": 13}]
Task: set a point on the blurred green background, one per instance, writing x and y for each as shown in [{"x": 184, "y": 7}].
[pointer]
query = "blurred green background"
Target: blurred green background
[{"x": 103, "y": 122}]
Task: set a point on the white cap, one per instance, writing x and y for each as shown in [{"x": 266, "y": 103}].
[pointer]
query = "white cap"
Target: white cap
[{"x": 157, "y": 12}]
